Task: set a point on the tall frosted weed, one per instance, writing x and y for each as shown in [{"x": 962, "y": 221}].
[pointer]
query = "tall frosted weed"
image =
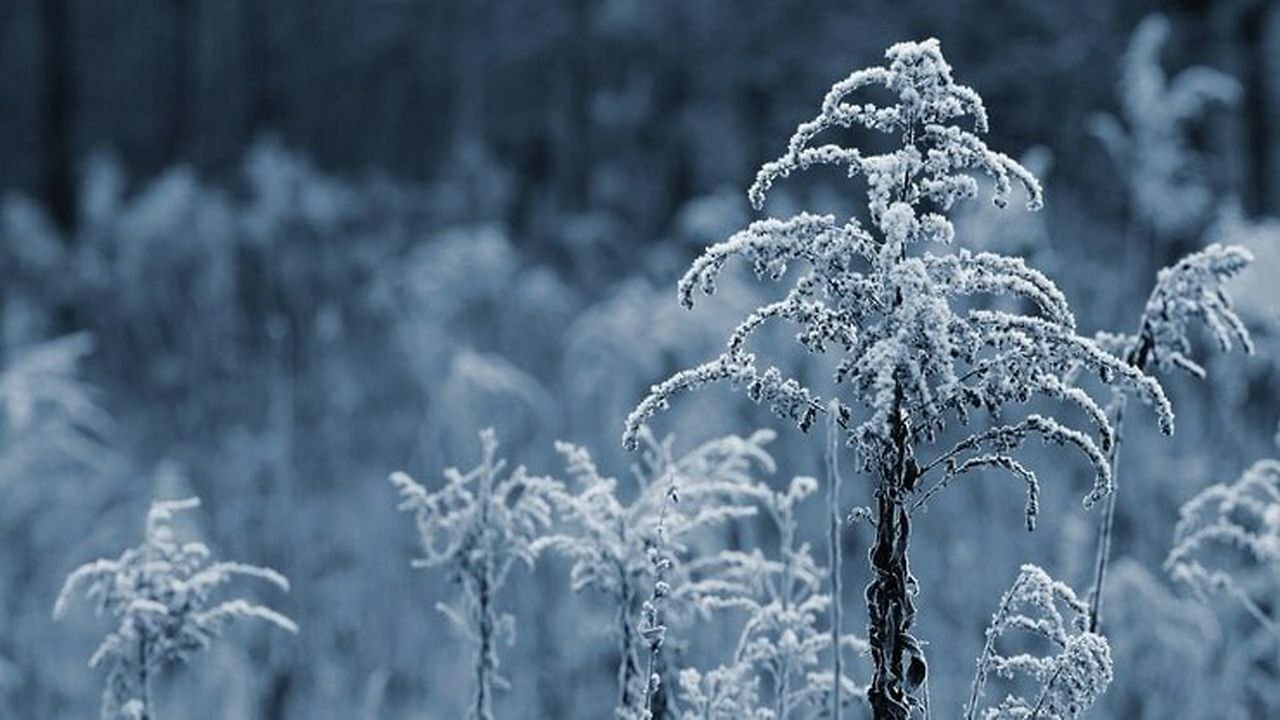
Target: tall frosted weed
[{"x": 912, "y": 353}]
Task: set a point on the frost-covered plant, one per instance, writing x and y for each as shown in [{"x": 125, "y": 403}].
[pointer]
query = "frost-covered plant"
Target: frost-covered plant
[
  {"x": 782, "y": 639},
  {"x": 1228, "y": 540},
  {"x": 729, "y": 692},
  {"x": 1068, "y": 678},
  {"x": 1163, "y": 171},
  {"x": 47, "y": 411},
  {"x": 653, "y": 631},
  {"x": 611, "y": 543},
  {"x": 478, "y": 525},
  {"x": 162, "y": 595},
  {"x": 909, "y": 360},
  {"x": 1191, "y": 289}
]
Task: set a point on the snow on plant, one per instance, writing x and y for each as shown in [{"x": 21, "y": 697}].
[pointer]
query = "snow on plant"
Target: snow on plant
[
  {"x": 478, "y": 525},
  {"x": 1164, "y": 173},
  {"x": 612, "y": 544},
  {"x": 652, "y": 630},
  {"x": 1191, "y": 289},
  {"x": 1068, "y": 679},
  {"x": 909, "y": 359},
  {"x": 161, "y": 593},
  {"x": 730, "y": 692},
  {"x": 1255, "y": 287},
  {"x": 782, "y": 640},
  {"x": 1228, "y": 540}
]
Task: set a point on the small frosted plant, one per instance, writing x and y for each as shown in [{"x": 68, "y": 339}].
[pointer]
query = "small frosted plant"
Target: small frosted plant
[
  {"x": 616, "y": 548},
  {"x": 1228, "y": 540},
  {"x": 1191, "y": 290},
  {"x": 1164, "y": 173},
  {"x": 909, "y": 360},
  {"x": 162, "y": 595},
  {"x": 729, "y": 692},
  {"x": 1067, "y": 679},
  {"x": 782, "y": 640},
  {"x": 478, "y": 525}
]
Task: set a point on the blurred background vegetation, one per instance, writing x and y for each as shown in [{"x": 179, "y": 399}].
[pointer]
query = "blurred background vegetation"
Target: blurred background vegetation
[{"x": 267, "y": 252}]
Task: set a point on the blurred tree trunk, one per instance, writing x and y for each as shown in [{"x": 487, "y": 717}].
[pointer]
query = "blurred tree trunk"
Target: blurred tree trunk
[
  {"x": 575, "y": 125},
  {"x": 178, "y": 144},
  {"x": 263, "y": 111},
  {"x": 59, "y": 187},
  {"x": 1262, "y": 106}
]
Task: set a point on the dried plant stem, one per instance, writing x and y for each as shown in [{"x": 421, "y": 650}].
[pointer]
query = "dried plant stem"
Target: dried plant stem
[
  {"x": 654, "y": 631},
  {"x": 1106, "y": 525},
  {"x": 483, "y": 707},
  {"x": 834, "y": 558},
  {"x": 898, "y": 662}
]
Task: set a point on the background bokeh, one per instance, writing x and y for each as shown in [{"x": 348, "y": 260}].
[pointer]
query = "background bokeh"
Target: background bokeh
[{"x": 268, "y": 252}]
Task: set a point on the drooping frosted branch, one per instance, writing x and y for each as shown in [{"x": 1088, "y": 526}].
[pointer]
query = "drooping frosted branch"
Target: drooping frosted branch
[{"x": 1068, "y": 678}]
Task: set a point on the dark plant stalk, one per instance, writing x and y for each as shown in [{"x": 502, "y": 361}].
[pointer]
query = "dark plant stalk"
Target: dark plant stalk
[
  {"x": 834, "y": 558},
  {"x": 483, "y": 709},
  {"x": 899, "y": 666},
  {"x": 485, "y": 621}
]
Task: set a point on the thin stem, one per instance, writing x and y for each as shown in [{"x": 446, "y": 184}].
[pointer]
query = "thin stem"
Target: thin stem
[
  {"x": 834, "y": 560},
  {"x": 1044, "y": 694},
  {"x": 1256, "y": 612},
  {"x": 654, "y": 631},
  {"x": 483, "y": 702},
  {"x": 1107, "y": 523},
  {"x": 980, "y": 679}
]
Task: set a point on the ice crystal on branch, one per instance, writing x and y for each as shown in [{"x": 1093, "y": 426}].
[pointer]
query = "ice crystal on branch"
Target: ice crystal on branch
[
  {"x": 1228, "y": 537},
  {"x": 914, "y": 352},
  {"x": 1068, "y": 678},
  {"x": 478, "y": 525},
  {"x": 162, "y": 594}
]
